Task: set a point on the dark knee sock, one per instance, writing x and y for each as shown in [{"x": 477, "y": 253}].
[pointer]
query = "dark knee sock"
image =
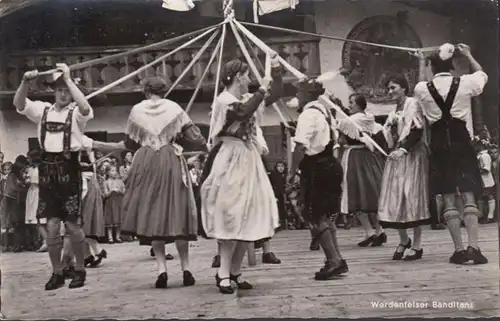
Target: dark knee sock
[
  {"x": 326, "y": 241},
  {"x": 78, "y": 243},
  {"x": 333, "y": 232},
  {"x": 54, "y": 248}
]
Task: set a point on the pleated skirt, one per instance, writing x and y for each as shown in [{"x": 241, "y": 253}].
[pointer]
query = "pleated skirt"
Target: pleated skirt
[
  {"x": 363, "y": 171},
  {"x": 159, "y": 203},
  {"x": 93, "y": 211}
]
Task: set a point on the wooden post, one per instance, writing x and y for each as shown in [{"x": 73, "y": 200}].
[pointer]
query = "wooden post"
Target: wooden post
[{"x": 252, "y": 260}]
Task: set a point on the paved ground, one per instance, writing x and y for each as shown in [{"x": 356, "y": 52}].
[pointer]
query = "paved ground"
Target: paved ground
[{"x": 123, "y": 286}]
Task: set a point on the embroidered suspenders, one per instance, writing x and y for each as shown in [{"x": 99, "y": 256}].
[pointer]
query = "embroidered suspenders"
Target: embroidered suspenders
[{"x": 55, "y": 127}]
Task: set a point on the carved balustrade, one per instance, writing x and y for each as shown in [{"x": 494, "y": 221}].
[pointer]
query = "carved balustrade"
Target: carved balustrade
[{"x": 302, "y": 53}]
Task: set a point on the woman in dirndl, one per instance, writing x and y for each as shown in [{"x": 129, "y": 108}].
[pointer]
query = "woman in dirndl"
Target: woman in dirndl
[
  {"x": 92, "y": 208},
  {"x": 404, "y": 197},
  {"x": 363, "y": 167},
  {"x": 159, "y": 204},
  {"x": 238, "y": 203}
]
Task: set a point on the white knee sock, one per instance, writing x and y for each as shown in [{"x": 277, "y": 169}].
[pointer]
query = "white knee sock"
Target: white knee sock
[
  {"x": 365, "y": 223},
  {"x": 183, "y": 250},
  {"x": 417, "y": 238},
  {"x": 491, "y": 208},
  {"x": 94, "y": 245},
  {"x": 239, "y": 253},
  {"x": 226, "y": 258},
  {"x": 159, "y": 249},
  {"x": 403, "y": 239}
]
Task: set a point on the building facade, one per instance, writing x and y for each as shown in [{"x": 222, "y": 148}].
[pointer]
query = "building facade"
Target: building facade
[{"x": 48, "y": 32}]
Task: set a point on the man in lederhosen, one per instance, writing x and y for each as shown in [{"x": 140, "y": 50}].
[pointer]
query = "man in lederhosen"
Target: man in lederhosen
[
  {"x": 60, "y": 134},
  {"x": 446, "y": 103},
  {"x": 321, "y": 173}
]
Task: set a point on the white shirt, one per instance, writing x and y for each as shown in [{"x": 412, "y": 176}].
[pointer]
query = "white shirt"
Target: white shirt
[
  {"x": 54, "y": 141},
  {"x": 484, "y": 159},
  {"x": 313, "y": 130},
  {"x": 470, "y": 86}
]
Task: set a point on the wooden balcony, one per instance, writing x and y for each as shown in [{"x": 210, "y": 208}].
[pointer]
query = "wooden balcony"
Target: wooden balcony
[{"x": 301, "y": 52}]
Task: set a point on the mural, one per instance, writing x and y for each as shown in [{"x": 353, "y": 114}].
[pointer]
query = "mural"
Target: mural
[{"x": 369, "y": 67}]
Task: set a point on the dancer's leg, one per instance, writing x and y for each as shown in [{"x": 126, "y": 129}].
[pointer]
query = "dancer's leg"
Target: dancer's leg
[
  {"x": 183, "y": 250},
  {"x": 159, "y": 249},
  {"x": 240, "y": 250},
  {"x": 226, "y": 257},
  {"x": 471, "y": 217},
  {"x": 78, "y": 243},
  {"x": 54, "y": 244},
  {"x": 452, "y": 218},
  {"x": 403, "y": 240},
  {"x": 417, "y": 238},
  {"x": 94, "y": 245},
  {"x": 365, "y": 224}
]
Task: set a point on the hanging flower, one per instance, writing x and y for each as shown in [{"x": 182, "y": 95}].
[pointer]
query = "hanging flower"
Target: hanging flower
[{"x": 446, "y": 51}]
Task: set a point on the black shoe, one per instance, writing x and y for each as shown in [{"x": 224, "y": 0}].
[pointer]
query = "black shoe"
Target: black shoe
[
  {"x": 118, "y": 241},
  {"x": 152, "y": 252},
  {"x": 69, "y": 272},
  {"x": 169, "y": 257},
  {"x": 241, "y": 285},
  {"x": 161, "y": 282},
  {"x": 111, "y": 241},
  {"x": 78, "y": 279},
  {"x": 416, "y": 256},
  {"x": 88, "y": 260},
  {"x": 270, "y": 258},
  {"x": 188, "y": 279},
  {"x": 55, "y": 282},
  {"x": 216, "y": 261},
  {"x": 368, "y": 241},
  {"x": 459, "y": 257},
  {"x": 476, "y": 255},
  {"x": 314, "y": 246},
  {"x": 223, "y": 289},
  {"x": 328, "y": 271},
  {"x": 399, "y": 255},
  {"x": 379, "y": 240},
  {"x": 342, "y": 268},
  {"x": 438, "y": 227},
  {"x": 99, "y": 259}
]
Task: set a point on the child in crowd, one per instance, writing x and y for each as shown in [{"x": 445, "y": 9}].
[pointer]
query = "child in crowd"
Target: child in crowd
[{"x": 114, "y": 189}]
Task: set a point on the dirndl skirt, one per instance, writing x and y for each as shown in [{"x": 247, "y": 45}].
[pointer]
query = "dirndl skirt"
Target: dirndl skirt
[
  {"x": 92, "y": 211},
  {"x": 159, "y": 203},
  {"x": 237, "y": 199},
  {"x": 113, "y": 210},
  {"x": 363, "y": 171},
  {"x": 9, "y": 209},
  {"x": 32, "y": 206},
  {"x": 404, "y": 197}
]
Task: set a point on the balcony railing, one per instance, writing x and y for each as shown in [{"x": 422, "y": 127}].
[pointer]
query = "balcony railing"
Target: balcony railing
[{"x": 300, "y": 52}]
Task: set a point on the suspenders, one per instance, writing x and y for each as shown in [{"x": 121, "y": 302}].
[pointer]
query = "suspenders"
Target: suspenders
[
  {"x": 445, "y": 105},
  {"x": 328, "y": 120},
  {"x": 57, "y": 127}
]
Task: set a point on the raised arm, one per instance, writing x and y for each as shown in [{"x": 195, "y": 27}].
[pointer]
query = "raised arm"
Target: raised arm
[
  {"x": 277, "y": 88},
  {"x": 241, "y": 111},
  {"x": 76, "y": 93},
  {"x": 21, "y": 96}
]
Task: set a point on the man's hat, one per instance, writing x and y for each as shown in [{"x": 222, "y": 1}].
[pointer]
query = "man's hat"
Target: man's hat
[
  {"x": 309, "y": 84},
  {"x": 444, "y": 56}
]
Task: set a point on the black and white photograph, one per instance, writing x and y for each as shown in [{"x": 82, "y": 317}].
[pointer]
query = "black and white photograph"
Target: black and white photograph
[{"x": 236, "y": 159}]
